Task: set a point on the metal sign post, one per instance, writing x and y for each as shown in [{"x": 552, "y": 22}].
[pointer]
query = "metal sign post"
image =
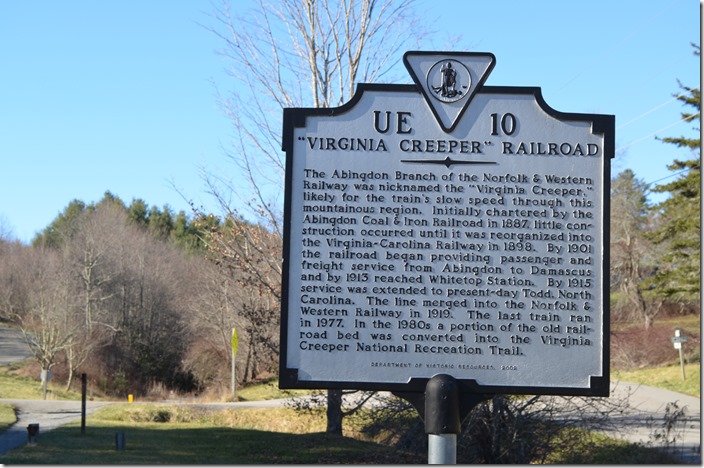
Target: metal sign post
[
  {"x": 442, "y": 419},
  {"x": 677, "y": 341}
]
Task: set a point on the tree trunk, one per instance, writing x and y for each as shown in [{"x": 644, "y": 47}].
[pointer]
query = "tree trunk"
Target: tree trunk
[
  {"x": 69, "y": 381},
  {"x": 45, "y": 382},
  {"x": 643, "y": 308},
  {"x": 496, "y": 430},
  {"x": 334, "y": 412}
]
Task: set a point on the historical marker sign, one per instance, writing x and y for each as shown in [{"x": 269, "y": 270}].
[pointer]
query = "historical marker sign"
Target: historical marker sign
[{"x": 446, "y": 227}]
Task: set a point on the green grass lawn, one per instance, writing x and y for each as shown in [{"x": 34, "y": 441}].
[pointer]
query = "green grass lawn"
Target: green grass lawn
[
  {"x": 669, "y": 378},
  {"x": 188, "y": 444},
  {"x": 7, "y": 416},
  {"x": 268, "y": 390},
  {"x": 599, "y": 449},
  {"x": 14, "y": 385},
  {"x": 171, "y": 434},
  {"x": 195, "y": 437}
]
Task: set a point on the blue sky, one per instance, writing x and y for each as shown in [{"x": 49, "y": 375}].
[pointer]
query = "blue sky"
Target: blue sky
[{"x": 118, "y": 94}]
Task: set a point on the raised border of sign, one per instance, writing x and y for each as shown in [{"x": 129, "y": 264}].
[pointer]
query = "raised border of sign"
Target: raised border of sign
[{"x": 296, "y": 118}]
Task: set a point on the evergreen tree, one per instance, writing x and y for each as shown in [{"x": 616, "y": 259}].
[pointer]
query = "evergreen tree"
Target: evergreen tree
[
  {"x": 160, "y": 222},
  {"x": 137, "y": 213},
  {"x": 64, "y": 226},
  {"x": 110, "y": 199},
  {"x": 55, "y": 233},
  {"x": 679, "y": 216},
  {"x": 184, "y": 233},
  {"x": 162, "y": 225}
]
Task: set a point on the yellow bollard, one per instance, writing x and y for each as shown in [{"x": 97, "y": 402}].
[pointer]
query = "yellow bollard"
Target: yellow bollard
[{"x": 130, "y": 398}]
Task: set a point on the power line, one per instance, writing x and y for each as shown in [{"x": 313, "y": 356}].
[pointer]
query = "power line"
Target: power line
[
  {"x": 649, "y": 112},
  {"x": 624, "y": 40},
  {"x": 667, "y": 177},
  {"x": 688, "y": 118}
]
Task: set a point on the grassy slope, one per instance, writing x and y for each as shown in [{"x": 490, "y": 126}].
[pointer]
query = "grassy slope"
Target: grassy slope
[
  {"x": 669, "y": 374},
  {"x": 669, "y": 378},
  {"x": 15, "y": 385}
]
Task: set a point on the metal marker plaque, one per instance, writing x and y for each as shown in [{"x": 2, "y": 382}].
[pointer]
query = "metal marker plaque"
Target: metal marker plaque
[{"x": 446, "y": 227}]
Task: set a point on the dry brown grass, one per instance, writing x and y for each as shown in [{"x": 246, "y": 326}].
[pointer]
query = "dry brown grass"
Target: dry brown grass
[{"x": 634, "y": 347}]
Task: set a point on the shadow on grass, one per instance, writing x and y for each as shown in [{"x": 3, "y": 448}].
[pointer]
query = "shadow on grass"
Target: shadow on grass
[
  {"x": 619, "y": 453},
  {"x": 197, "y": 446}
]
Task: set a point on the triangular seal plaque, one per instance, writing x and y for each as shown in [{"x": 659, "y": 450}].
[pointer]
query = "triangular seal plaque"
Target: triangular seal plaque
[{"x": 449, "y": 80}]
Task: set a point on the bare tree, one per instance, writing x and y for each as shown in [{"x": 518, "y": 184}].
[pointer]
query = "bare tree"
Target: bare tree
[
  {"x": 296, "y": 53},
  {"x": 149, "y": 306},
  {"x": 13, "y": 291},
  {"x": 88, "y": 251},
  {"x": 503, "y": 429},
  {"x": 49, "y": 320},
  {"x": 630, "y": 249},
  {"x": 212, "y": 317},
  {"x": 6, "y": 232}
]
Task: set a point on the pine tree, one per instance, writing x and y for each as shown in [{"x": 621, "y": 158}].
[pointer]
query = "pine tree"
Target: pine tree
[{"x": 679, "y": 216}]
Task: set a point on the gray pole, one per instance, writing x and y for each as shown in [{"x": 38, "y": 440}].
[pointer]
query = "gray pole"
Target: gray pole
[
  {"x": 442, "y": 419},
  {"x": 84, "y": 386},
  {"x": 678, "y": 345},
  {"x": 442, "y": 449},
  {"x": 233, "y": 374},
  {"x": 45, "y": 383}
]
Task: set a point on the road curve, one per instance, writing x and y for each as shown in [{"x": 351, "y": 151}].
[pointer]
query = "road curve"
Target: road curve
[
  {"x": 13, "y": 347},
  {"x": 49, "y": 414}
]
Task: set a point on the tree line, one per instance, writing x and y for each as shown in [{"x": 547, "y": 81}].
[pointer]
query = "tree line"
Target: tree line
[{"x": 134, "y": 297}]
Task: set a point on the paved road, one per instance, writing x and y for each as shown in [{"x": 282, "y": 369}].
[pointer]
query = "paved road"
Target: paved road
[
  {"x": 13, "y": 347},
  {"x": 645, "y": 415},
  {"x": 49, "y": 414}
]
